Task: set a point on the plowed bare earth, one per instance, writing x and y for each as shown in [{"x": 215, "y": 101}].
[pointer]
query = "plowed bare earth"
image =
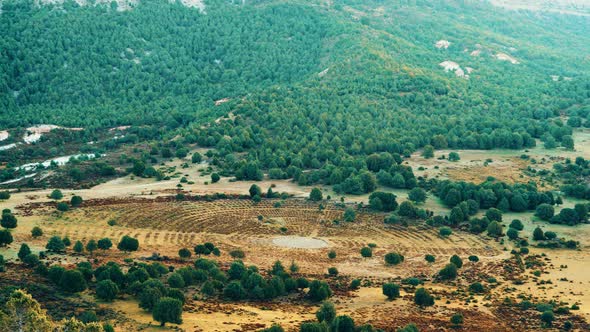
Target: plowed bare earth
[{"x": 164, "y": 227}]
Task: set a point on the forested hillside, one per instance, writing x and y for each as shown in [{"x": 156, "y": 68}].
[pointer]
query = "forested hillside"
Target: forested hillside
[
  {"x": 309, "y": 84},
  {"x": 159, "y": 63}
]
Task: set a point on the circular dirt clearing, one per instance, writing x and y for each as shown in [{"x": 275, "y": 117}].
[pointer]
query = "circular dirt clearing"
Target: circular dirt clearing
[{"x": 299, "y": 242}]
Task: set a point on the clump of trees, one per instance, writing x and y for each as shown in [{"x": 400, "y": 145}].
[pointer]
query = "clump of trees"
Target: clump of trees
[
  {"x": 393, "y": 258},
  {"x": 128, "y": 243}
]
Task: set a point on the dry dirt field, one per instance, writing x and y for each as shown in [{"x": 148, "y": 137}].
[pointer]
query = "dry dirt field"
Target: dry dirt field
[
  {"x": 505, "y": 165},
  {"x": 163, "y": 225}
]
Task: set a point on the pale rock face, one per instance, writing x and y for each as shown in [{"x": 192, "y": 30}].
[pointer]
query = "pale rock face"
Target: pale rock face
[
  {"x": 60, "y": 161},
  {"x": 449, "y": 65},
  {"x": 122, "y": 5},
  {"x": 454, "y": 67},
  {"x": 221, "y": 101},
  {"x": 442, "y": 44},
  {"x": 3, "y": 135},
  {"x": 33, "y": 134},
  {"x": 199, "y": 4},
  {"x": 7, "y": 147},
  {"x": 475, "y": 53},
  {"x": 506, "y": 57}
]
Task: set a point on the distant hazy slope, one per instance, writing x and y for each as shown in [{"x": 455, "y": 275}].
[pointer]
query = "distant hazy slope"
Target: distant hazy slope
[{"x": 574, "y": 7}]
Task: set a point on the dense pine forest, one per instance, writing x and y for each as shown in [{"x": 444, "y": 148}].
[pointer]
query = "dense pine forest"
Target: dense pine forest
[{"x": 302, "y": 85}]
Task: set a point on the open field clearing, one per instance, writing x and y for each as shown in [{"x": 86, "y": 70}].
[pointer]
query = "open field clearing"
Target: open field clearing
[
  {"x": 261, "y": 230},
  {"x": 505, "y": 165},
  {"x": 163, "y": 227}
]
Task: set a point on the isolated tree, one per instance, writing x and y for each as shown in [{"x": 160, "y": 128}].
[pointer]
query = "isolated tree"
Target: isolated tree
[
  {"x": 457, "y": 216},
  {"x": 36, "y": 232},
  {"x": 545, "y": 211},
  {"x": 417, "y": 195},
  {"x": 517, "y": 225},
  {"x": 430, "y": 258},
  {"x": 494, "y": 229},
  {"x": 332, "y": 271},
  {"x": 215, "y": 178},
  {"x": 398, "y": 181},
  {"x": 473, "y": 258},
  {"x": 428, "y": 152},
  {"x": 78, "y": 247},
  {"x": 538, "y": 234},
  {"x": 457, "y": 320},
  {"x": 518, "y": 203},
  {"x": 23, "y": 251},
  {"x": 201, "y": 249},
  {"x": 106, "y": 290},
  {"x": 422, "y": 298},
  {"x": 234, "y": 291},
  {"x": 494, "y": 214},
  {"x": 315, "y": 195},
  {"x": 391, "y": 291},
  {"x": 445, "y": 231},
  {"x": 23, "y": 313},
  {"x": 76, "y": 201},
  {"x": 237, "y": 254},
  {"x": 277, "y": 268},
  {"x": 184, "y": 253},
  {"x": 128, "y": 244},
  {"x": 56, "y": 194},
  {"x": 104, "y": 244},
  {"x": 512, "y": 233},
  {"x": 196, "y": 158},
  {"x": 332, "y": 254},
  {"x": 72, "y": 281},
  {"x": 293, "y": 268},
  {"x": 407, "y": 209},
  {"x": 326, "y": 313},
  {"x": 55, "y": 244},
  {"x": 477, "y": 287},
  {"x": 168, "y": 310},
  {"x": 547, "y": 317},
  {"x": 366, "y": 252},
  {"x": 457, "y": 261},
  {"x": 454, "y": 156},
  {"x": 175, "y": 280},
  {"x": 5, "y": 238},
  {"x": 567, "y": 142},
  {"x": 149, "y": 297},
  {"x": 62, "y": 206},
  {"x": 31, "y": 260},
  {"x": 4, "y": 195},
  {"x": 8, "y": 220},
  {"x": 319, "y": 291},
  {"x": 91, "y": 246},
  {"x": 393, "y": 258},
  {"x": 256, "y": 199},
  {"x": 549, "y": 235},
  {"x": 448, "y": 272},
  {"x": 349, "y": 215},
  {"x": 255, "y": 190},
  {"x": 236, "y": 270}
]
